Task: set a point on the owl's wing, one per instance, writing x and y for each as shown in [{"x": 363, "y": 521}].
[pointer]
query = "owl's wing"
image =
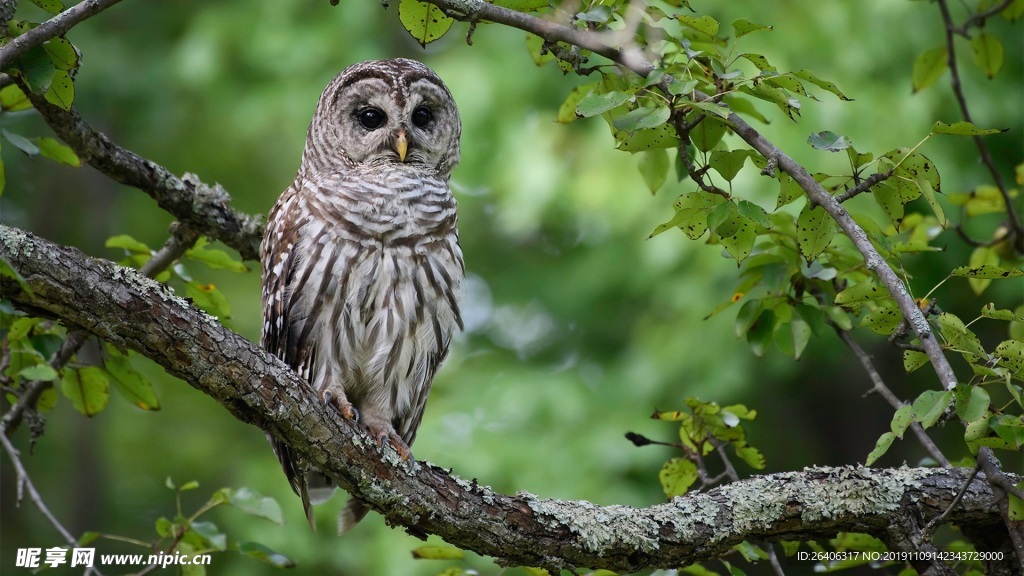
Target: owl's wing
[{"x": 282, "y": 328}]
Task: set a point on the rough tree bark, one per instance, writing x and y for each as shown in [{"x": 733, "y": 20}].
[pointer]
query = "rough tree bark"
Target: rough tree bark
[{"x": 131, "y": 311}]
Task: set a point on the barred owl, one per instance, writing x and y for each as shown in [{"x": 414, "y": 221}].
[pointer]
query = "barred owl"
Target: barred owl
[{"x": 361, "y": 259}]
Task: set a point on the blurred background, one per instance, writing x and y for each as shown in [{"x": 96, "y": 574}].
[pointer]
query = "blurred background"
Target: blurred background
[{"x": 577, "y": 325}]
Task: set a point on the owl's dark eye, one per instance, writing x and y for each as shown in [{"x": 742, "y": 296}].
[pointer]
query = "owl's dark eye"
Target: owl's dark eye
[
  {"x": 370, "y": 118},
  {"x": 421, "y": 116}
]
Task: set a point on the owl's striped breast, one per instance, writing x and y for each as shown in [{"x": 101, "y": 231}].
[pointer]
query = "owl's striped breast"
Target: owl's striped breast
[{"x": 384, "y": 269}]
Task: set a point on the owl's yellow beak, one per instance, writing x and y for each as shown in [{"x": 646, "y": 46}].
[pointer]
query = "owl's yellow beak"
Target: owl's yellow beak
[{"x": 401, "y": 145}]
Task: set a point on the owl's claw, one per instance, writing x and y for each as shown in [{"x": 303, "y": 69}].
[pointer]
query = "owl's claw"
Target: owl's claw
[
  {"x": 347, "y": 410},
  {"x": 387, "y": 435}
]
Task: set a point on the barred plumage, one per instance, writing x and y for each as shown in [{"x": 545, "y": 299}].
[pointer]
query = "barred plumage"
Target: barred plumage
[{"x": 361, "y": 259}]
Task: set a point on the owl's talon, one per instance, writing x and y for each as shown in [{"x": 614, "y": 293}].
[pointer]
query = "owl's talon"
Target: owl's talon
[
  {"x": 387, "y": 435},
  {"x": 342, "y": 405}
]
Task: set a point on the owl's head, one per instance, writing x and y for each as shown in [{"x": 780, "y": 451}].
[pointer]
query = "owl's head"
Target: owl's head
[{"x": 385, "y": 112}]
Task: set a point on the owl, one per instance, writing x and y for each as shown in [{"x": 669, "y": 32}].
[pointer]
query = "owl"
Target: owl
[{"x": 361, "y": 260}]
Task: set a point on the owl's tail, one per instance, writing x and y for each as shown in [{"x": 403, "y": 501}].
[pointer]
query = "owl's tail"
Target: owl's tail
[{"x": 354, "y": 511}]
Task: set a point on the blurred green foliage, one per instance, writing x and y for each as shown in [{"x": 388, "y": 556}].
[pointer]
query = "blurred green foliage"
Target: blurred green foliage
[{"x": 578, "y": 325}]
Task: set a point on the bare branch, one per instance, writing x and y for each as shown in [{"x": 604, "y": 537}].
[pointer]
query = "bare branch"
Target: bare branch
[
  {"x": 878, "y": 385},
  {"x": 25, "y": 483},
  {"x": 123, "y": 307},
  {"x": 864, "y": 186},
  {"x": 56, "y": 26},
  {"x": 1013, "y": 221},
  {"x": 204, "y": 208},
  {"x": 1001, "y": 486}
]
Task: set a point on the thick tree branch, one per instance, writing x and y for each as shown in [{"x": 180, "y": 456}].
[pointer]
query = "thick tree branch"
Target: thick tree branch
[
  {"x": 127, "y": 309},
  {"x": 201, "y": 207},
  {"x": 56, "y": 26}
]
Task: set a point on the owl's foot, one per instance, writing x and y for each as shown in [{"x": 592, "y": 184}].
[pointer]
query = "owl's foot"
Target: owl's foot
[
  {"x": 385, "y": 434},
  {"x": 341, "y": 404}
]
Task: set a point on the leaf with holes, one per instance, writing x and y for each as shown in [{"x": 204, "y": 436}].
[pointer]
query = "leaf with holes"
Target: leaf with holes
[
  {"x": 823, "y": 84},
  {"x": 815, "y": 230},
  {"x": 987, "y": 271},
  {"x": 704, "y": 24},
  {"x": 567, "y": 111},
  {"x": 901, "y": 420},
  {"x": 883, "y": 319},
  {"x": 912, "y": 360},
  {"x": 1011, "y": 355},
  {"x": 829, "y": 141},
  {"x": 743, "y": 27},
  {"x": 958, "y": 336},
  {"x": 425, "y": 22},
  {"x": 594, "y": 104},
  {"x": 964, "y": 129},
  {"x": 61, "y": 91}
]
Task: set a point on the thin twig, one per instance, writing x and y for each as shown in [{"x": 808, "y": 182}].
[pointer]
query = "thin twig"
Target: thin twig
[
  {"x": 25, "y": 483},
  {"x": 864, "y": 186},
  {"x": 978, "y": 19},
  {"x": 56, "y": 26},
  {"x": 1016, "y": 228},
  {"x": 934, "y": 522},
  {"x": 880, "y": 387}
]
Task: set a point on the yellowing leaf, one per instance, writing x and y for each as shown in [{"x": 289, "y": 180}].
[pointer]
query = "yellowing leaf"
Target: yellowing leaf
[{"x": 437, "y": 553}]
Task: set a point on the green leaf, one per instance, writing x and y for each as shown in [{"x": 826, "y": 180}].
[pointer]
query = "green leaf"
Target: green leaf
[
  {"x": 87, "y": 388},
  {"x": 748, "y": 209},
  {"x": 792, "y": 337},
  {"x": 1012, "y": 13},
  {"x": 21, "y": 143},
  {"x": 663, "y": 136},
  {"x": 930, "y": 405},
  {"x": 728, "y": 163},
  {"x": 253, "y": 503},
  {"x": 708, "y": 133},
  {"x": 594, "y": 104},
  {"x": 51, "y": 6},
  {"x": 959, "y": 336},
  {"x": 425, "y": 22},
  {"x": 910, "y": 167},
  {"x": 57, "y": 151},
  {"x": 988, "y": 53},
  {"x": 989, "y": 311},
  {"x": 12, "y": 99},
  {"x": 1011, "y": 355},
  {"x": 861, "y": 292},
  {"x": 881, "y": 447},
  {"x": 654, "y": 168},
  {"x": 963, "y": 129},
  {"x": 828, "y": 141},
  {"x": 972, "y": 402},
  {"x": 216, "y": 259},
  {"x": 760, "y": 333},
  {"x": 266, "y": 555},
  {"x": 676, "y": 476},
  {"x": 208, "y": 298},
  {"x": 987, "y": 271},
  {"x": 823, "y": 84},
  {"x": 36, "y": 68},
  {"x": 61, "y": 91},
  {"x": 130, "y": 383},
  {"x": 712, "y": 107},
  {"x": 438, "y": 552},
  {"x": 912, "y": 360},
  {"x": 704, "y": 24},
  {"x": 929, "y": 67},
  {"x": 692, "y": 213},
  {"x": 743, "y": 27},
  {"x": 567, "y": 111},
  {"x": 815, "y": 230},
  {"x": 883, "y": 319},
  {"x": 62, "y": 53},
  {"x": 128, "y": 244},
  {"x": 40, "y": 372},
  {"x": 758, "y": 60},
  {"x": 206, "y": 536},
  {"x": 642, "y": 118},
  {"x": 889, "y": 199},
  {"x": 737, "y": 235},
  {"x": 901, "y": 420}
]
